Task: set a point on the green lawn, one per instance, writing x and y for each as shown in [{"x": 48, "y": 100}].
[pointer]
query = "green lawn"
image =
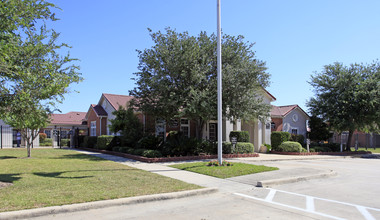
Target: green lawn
[
  {"x": 368, "y": 149},
  {"x": 56, "y": 177},
  {"x": 238, "y": 169}
]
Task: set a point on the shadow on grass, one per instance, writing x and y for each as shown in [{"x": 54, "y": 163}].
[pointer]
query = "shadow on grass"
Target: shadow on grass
[
  {"x": 58, "y": 174},
  {"x": 9, "y": 178},
  {"x": 79, "y": 157},
  {"x": 7, "y": 157}
]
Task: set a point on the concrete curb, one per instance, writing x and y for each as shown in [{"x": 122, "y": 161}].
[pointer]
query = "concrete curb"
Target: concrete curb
[
  {"x": 29, "y": 213},
  {"x": 268, "y": 183}
]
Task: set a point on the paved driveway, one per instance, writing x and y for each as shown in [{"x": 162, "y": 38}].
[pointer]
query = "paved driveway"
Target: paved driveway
[{"x": 353, "y": 194}]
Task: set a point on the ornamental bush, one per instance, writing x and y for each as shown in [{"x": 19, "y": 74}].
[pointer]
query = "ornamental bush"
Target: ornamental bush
[
  {"x": 151, "y": 153},
  {"x": 42, "y": 136},
  {"x": 150, "y": 142},
  {"x": 242, "y": 136},
  {"x": 290, "y": 146},
  {"x": 65, "y": 142},
  {"x": 277, "y": 137}
]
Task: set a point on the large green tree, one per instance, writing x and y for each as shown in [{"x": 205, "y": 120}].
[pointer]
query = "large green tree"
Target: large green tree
[
  {"x": 33, "y": 74},
  {"x": 178, "y": 78},
  {"x": 319, "y": 130},
  {"x": 348, "y": 97}
]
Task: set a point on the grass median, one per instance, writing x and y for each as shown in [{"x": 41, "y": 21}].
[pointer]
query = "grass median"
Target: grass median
[
  {"x": 57, "y": 177},
  {"x": 237, "y": 169}
]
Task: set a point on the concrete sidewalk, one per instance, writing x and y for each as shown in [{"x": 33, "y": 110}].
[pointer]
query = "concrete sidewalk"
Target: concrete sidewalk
[{"x": 266, "y": 179}]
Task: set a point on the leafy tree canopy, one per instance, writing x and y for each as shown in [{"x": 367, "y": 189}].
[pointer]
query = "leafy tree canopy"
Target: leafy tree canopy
[
  {"x": 128, "y": 124},
  {"x": 33, "y": 75},
  {"x": 348, "y": 97},
  {"x": 178, "y": 78},
  {"x": 319, "y": 130}
]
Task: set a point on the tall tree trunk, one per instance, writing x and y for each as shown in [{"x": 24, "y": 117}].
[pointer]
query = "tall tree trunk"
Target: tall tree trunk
[
  {"x": 348, "y": 143},
  {"x": 199, "y": 129}
]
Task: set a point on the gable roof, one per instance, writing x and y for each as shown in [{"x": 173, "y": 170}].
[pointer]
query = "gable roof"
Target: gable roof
[
  {"x": 269, "y": 94},
  {"x": 71, "y": 118},
  {"x": 282, "y": 111},
  {"x": 99, "y": 110},
  {"x": 117, "y": 100}
]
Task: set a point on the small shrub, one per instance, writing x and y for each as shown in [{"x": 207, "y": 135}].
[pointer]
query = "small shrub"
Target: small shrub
[
  {"x": 298, "y": 138},
  {"x": 177, "y": 144},
  {"x": 116, "y": 149},
  {"x": 215, "y": 163},
  {"x": 242, "y": 136},
  {"x": 277, "y": 137},
  {"x": 90, "y": 141},
  {"x": 269, "y": 147},
  {"x": 42, "y": 137},
  {"x": 208, "y": 147},
  {"x": 127, "y": 150},
  {"x": 151, "y": 153},
  {"x": 103, "y": 142},
  {"x": 47, "y": 142},
  {"x": 139, "y": 151},
  {"x": 244, "y": 147},
  {"x": 290, "y": 146},
  {"x": 64, "y": 142}
]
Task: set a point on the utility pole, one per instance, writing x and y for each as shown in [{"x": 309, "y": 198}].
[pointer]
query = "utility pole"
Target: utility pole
[{"x": 219, "y": 67}]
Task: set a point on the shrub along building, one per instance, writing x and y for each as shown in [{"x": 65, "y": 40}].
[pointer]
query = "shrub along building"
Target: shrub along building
[
  {"x": 289, "y": 118},
  {"x": 99, "y": 115}
]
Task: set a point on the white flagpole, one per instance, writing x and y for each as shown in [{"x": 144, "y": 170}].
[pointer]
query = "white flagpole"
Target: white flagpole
[{"x": 219, "y": 67}]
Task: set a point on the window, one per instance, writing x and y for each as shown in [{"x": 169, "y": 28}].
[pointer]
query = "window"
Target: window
[
  {"x": 48, "y": 133},
  {"x": 160, "y": 128},
  {"x": 267, "y": 126},
  {"x": 185, "y": 127},
  {"x": 273, "y": 125},
  {"x": 213, "y": 133},
  {"x": 294, "y": 131},
  {"x": 93, "y": 128},
  {"x": 64, "y": 135}
]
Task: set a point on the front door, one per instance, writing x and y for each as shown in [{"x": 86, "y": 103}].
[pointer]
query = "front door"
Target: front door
[{"x": 213, "y": 131}]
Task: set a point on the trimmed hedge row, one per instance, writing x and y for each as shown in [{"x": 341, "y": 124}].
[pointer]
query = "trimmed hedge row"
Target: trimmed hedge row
[
  {"x": 138, "y": 151},
  {"x": 277, "y": 137},
  {"x": 242, "y": 136},
  {"x": 240, "y": 148},
  {"x": 103, "y": 142},
  {"x": 289, "y": 146}
]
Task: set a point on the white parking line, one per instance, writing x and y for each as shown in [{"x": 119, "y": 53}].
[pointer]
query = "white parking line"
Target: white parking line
[
  {"x": 310, "y": 208},
  {"x": 288, "y": 206},
  {"x": 270, "y": 195}
]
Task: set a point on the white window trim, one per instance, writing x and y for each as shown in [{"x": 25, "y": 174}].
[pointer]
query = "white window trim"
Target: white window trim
[
  {"x": 162, "y": 123},
  {"x": 93, "y": 128},
  {"x": 291, "y": 130},
  {"x": 185, "y": 125}
]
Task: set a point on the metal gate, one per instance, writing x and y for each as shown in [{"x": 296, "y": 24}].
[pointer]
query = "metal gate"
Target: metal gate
[{"x": 6, "y": 136}]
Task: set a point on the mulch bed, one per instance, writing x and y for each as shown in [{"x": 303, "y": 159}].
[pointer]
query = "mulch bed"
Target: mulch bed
[
  {"x": 169, "y": 159},
  {"x": 347, "y": 153}
]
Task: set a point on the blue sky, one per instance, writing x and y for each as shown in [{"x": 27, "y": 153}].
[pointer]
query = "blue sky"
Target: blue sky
[{"x": 294, "y": 37}]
